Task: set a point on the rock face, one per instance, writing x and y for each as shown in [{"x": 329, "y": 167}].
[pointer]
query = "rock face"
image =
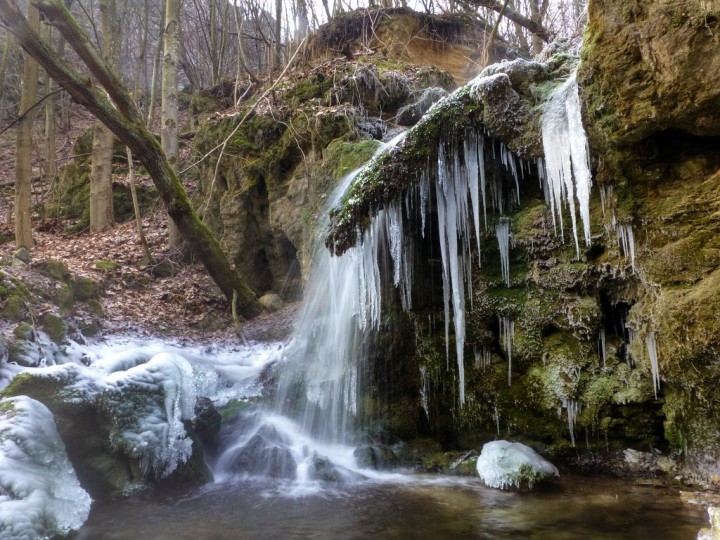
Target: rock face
[
  {"x": 651, "y": 66},
  {"x": 504, "y": 464},
  {"x": 620, "y": 336}
]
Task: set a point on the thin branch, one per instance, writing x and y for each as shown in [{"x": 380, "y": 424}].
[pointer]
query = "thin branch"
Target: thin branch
[{"x": 35, "y": 105}]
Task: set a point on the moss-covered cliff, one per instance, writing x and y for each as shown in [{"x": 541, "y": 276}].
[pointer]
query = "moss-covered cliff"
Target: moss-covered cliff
[{"x": 589, "y": 327}]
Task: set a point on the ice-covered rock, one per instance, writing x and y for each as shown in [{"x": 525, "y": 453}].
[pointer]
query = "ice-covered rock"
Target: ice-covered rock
[
  {"x": 503, "y": 464},
  {"x": 40, "y": 495}
]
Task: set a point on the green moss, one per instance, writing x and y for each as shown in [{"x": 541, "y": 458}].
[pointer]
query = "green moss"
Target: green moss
[
  {"x": 56, "y": 270},
  {"x": 55, "y": 327},
  {"x": 64, "y": 297},
  {"x": 14, "y": 309},
  {"x": 83, "y": 288},
  {"x": 107, "y": 265},
  {"x": 24, "y": 331}
]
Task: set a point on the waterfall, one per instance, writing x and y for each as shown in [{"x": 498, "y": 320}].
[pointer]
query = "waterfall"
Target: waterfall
[{"x": 344, "y": 295}]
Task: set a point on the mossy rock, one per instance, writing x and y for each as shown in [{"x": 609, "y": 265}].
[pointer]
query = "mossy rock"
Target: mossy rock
[
  {"x": 83, "y": 288},
  {"x": 14, "y": 309},
  {"x": 24, "y": 331},
  {"x": 53, "y": 269},
  {"x": 64, "y": 298},
  {"x": 54, "y": 326},
  {"x": 95, "y": 307}
]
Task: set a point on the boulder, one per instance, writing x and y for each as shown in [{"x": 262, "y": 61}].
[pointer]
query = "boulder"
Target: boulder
[{"x": 504, "y": 464}]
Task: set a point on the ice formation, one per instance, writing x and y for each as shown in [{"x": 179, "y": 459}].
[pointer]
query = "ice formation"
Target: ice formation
[
  {"x": 573, "y": 410},
  {"x": 507, "y": 335},
  {"x": 651, "y": 345},
  {"x": 40, "y": 495},
  {"x": 626, "y": 241},
  {"x": 567, "y": 166},
  {"x": 502, "y": 232},
  {"x": 504, "y": 464},
  {"x": 602, "y": 344}
]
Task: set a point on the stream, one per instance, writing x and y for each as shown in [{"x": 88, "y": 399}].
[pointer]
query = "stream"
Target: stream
[{"x": 400, "y": 507}]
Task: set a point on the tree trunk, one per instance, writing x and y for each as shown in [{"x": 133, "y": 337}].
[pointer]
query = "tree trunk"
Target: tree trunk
[
  {"x": 101, "y": 196},
  {"x": 136, "y": 206},
  {"x": 23, "y": 143},
  {"x": 155, "y": 72},
  {"x": 126, "y": 122},
  {"x": 169, "y": 99}
]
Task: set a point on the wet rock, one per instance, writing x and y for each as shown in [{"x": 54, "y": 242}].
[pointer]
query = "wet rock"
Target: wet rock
[
  {"x": 207, "y": 422},
  {"x": 323, "y": 469},
  {"x": 375, "y": 457},
  {"x": 409, "y": 115},
  {"x": 713, "y": 533},
  {"x": 261, "y": 457},
  {"x": 272, "y": 302}
]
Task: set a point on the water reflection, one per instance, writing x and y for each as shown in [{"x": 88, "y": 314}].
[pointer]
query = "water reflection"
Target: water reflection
[{"x": 416, "y": 508}]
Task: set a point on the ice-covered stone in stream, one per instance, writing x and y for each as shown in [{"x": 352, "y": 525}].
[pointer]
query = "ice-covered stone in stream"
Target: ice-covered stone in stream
[
  {"x": 40, "y": 496},
  {"x": 504, "y": 464},
  {"x": 567, "y": 165}
]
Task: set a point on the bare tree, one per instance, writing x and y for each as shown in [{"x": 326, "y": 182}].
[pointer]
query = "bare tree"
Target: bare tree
[
  {"x": 114, "y": 107},
  {"x": 23, "y": 142}
]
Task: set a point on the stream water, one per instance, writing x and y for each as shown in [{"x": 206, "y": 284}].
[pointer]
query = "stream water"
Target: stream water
[{"x": 406, "y": 506}]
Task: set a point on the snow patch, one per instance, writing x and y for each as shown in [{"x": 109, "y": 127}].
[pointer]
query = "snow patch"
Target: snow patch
[
  {"x": 40, "y": 495},
  {"x": 503, "y": 464}
]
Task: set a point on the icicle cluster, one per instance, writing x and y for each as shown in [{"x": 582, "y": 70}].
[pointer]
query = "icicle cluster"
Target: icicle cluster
[
  {"x": 603, "y": 351},
  {"x": 573, "y": 410},
  {"x": 567, "y": 169},
  {"x": 651, "y": 345},
  {"x": 507, "y": 336},
  {"x": 626, "y": 242},
  {"x": 502, "y": 232}
]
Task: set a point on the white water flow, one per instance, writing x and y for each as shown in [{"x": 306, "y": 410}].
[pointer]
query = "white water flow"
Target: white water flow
[{"x": 326, "y": 354}]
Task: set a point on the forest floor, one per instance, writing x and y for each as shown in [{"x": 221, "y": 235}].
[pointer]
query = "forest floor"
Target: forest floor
[{"x": 181, "y": 302}]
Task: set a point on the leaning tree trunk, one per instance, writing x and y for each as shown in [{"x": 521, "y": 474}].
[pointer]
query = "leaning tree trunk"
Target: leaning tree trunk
[
  {"x": 126, "y": 122},
  {"x": 23, "y": 142}
]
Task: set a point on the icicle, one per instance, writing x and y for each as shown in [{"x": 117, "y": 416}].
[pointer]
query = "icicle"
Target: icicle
[
  {"x": 573, "y": 410},
  {"x": 603, "y": 354},
  {"x": 507, "y": 336},
  {"x": 424, "y": 391},
  {"x": 626, "y": 241},
  {"x": 424, "y": 190},
  {"x": 483, "y": 357},
  {"x": 472, "y": 166},
  {"x": 497, "y": 420},
  {"x": 502, "y": 232},
  {"x": 651, "y": 345},
  {"x": 454, "y": 287},
  {"x": 566, "y": 157}
]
